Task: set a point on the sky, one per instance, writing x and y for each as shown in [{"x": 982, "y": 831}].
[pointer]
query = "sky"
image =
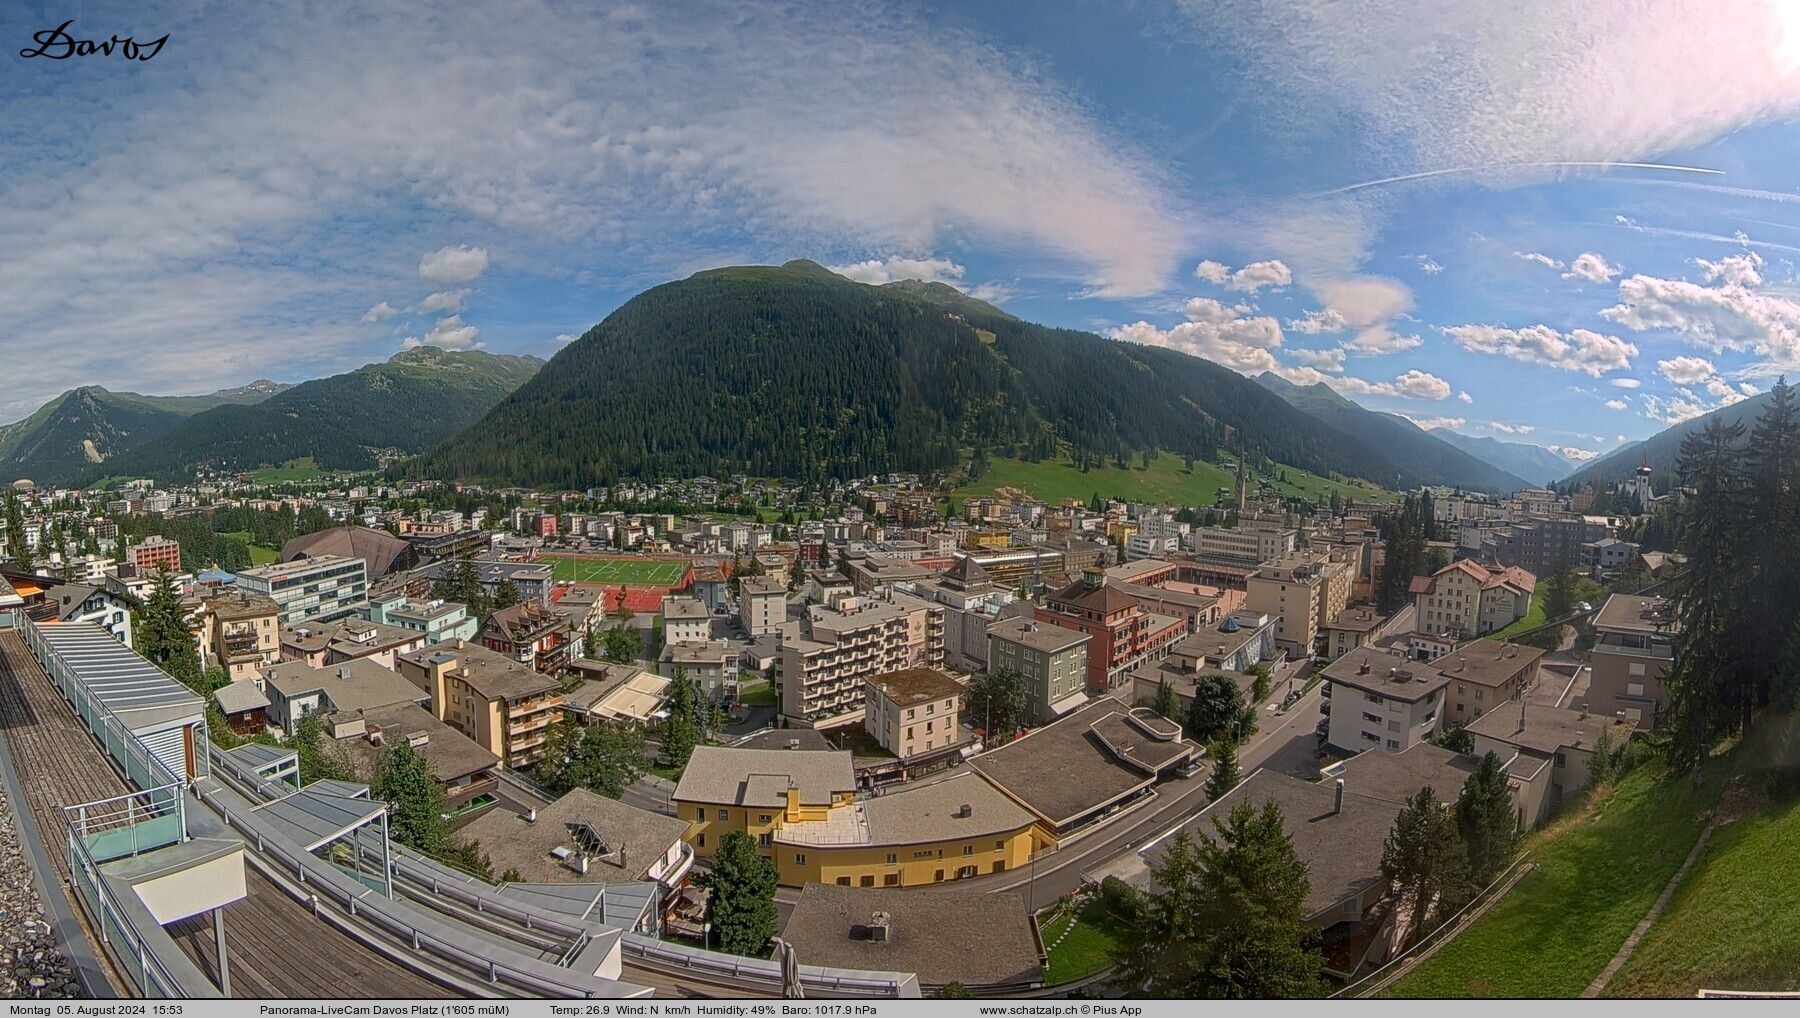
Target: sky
[{"x": 1562, "y": 223}]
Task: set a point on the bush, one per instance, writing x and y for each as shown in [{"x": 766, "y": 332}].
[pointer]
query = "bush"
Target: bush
[{"x": 1118, "y": 898}]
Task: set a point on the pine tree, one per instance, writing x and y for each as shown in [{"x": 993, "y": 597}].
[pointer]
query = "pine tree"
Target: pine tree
[
  {"x": 505, "y": 595},
  {"x": 741, "y": 905},
  {"x": 1218, "y": 712},
  {"x": 15, "y": 529},
  {"x": 163, "y": 636},
  {"x": 1165, "y": 703},
  {"x": 1770, "y": 550},
  {"x": 1486, "y": 821},
  {"x": 1707, "y": 689},
  {"x": 1425, "y": 863},
  {"x": 681, "y": 729},
  {"x": 1225, "y": 771}
]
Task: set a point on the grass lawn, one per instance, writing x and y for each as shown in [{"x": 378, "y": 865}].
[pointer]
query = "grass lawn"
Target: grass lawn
[
  {"x": 637, "y": 572},
  {"x": 1734, "y": 924},
  {"x": 669, "y": 773},
  {"x": 1534, "y": 617},
  {"x": 1599, "y": 869},
  {"x": 1167, "y": 480},
  {"x": 259, "y": 554},
  {"x": 756, "y": 694},
  {"x": 1088, "y": 947},
  {"x": 303, "y": 469}
]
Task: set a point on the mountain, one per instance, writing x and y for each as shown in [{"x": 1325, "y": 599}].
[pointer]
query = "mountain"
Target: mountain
[
  {"x": 410, "y": 402},
  {"x": 255, "y": 392},
  {"x": 1662, "y": 449},
  {"x": 66, "y": 437},
  {"x": 798, "y": 372},
  {"x": 1421, "y": 456},
  {"x": 1532, "y": 462}
]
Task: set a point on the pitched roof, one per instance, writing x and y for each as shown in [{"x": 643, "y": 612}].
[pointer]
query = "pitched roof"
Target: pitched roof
[
  {"x": 761, "y": 777},
  {"x": 382, "y": 551}
]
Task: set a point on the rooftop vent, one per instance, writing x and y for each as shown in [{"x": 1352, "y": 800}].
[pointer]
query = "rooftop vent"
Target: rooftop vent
[
  {"x": 965, "y": 811},
  {"x": 1337, "y": 798}
]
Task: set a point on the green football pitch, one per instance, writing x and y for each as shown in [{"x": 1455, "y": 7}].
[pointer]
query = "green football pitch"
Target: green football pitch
[{"x": 618, "y": 571}]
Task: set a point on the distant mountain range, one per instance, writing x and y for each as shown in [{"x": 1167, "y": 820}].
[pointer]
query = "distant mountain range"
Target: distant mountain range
[
  {"x": 1532, "y": 462},
  {"x": 410, "y": 402},
  {"x": 1663, "y": 449},
  {"x": 1419, "y": 456}
]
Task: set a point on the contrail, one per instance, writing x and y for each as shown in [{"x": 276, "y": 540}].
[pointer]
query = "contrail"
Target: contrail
[{"x": 1509, "y": 166}]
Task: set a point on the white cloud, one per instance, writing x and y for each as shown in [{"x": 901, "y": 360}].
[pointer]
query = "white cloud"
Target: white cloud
[
  {"x": 1734, "y": 270},
  {"x": 1465, "y": 397},
  {"x": 1411, "y": 384},
  {"x": 1433, "y": 423},
  {"x": 1686, "y": 370},
  {"x": 1539, "y": 257},
  {"x": 1257, "y": 275},
  {"x": 888, "y": 270},
  {"x": 1624, "y": 383},
  {"x": 453, "y": 301},
  {"x": 993, "y": 292},
  {"x": 1325, "y": 360},
  {"x": 1511, "y": 429},
  {"x": 453, "y": 264},
  {"x": 448, "y": 334},
  {"x": 1747, "y": 389},
  {"x": 380, "y": 312},
  {"x": 1212, "y": 272},
  {"x": 1380, "y": 340},
  {"x": 1317, "y": 321},
  {"x": 1572, "y": 453},
  {"x": 1591, "y": 267},
  {"x": 1428, "y": 265},
  {"x": 1580, "y": 350},
  {"x": 565, "y": 338},
  {"x": 1729, "y": 317},
  {"x": 1671, "y": 411},
  {"x": 1216, "y": 332},
  {"x": 1364, "y": 301},
  {"x": 1616, "y": 404},
  {"x": 1725, "y": 393}
]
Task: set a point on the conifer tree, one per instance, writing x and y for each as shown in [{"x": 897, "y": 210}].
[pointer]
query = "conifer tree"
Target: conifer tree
[{"x": 1707, "y": 690}]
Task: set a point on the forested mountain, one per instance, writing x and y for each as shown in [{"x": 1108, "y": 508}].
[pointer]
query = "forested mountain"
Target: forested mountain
[
  {"x": 1532, "y": 462},
  {"x": 1662, "y": 449},
  {"x": 410, "y": 402},
  {"x": 67, "y": 436},
  {"x": 797, "y": 372},
  {"x": 1419, "y": 455}
]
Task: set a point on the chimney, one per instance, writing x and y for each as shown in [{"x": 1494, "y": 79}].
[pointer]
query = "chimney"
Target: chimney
[
  {"x": 344, "y": 672},
  {"x": 1337, "y": 799},
  {"x": 1362, "y": 669},
  {"x": 581, "y": 864},
  {"x": 531, "y": 816},
  {"x": 881, "y": 927}
]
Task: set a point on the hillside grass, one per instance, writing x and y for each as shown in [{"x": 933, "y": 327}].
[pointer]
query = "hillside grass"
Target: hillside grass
[
  {"x": 1167, "y": 479},
  {"x": 303, "y": 469},
  {"x": 1734, "y": 924},
  {"x": 1598, "y": 871},
  {"x": 1084, "y": 949},
  {"x": 260, "y": 555}
]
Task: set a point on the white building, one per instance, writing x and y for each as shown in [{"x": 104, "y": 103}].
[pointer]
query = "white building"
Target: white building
[
  {"x": 311, "y": 589},
  {"x": 1382, "y": 700}
]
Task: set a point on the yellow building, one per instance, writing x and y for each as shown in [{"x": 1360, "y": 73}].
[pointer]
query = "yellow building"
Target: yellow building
[
  {"x": 505, "y": 706},
  {"x": 801, "y": 809},
  {"x": 241, "y": 633}
]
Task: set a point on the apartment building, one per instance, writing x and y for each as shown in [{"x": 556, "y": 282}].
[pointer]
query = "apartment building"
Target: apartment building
[
  {"x": 685, "y": 620},
  {"x": 505, "y": 706},
  {"x": 1548, "y": 752},
  {"x": 531, "y": 634},
  {"x": 762, "y": 605},
  {"x": 1382, "y": 700},
  {"x": 530, "y": 581},
  {"x": 972, "y": 602},
  {"x": 437, "y": 619},
  {"x": 311, "y": 589},
  {"x": 829, "y": 651},
  {"x": 1633, "y": 651},
  {"x": 1466, "y": 599},
  {"x": 1350, "y": 629},
  {"x": 155, "y": 554},
  {"x": 1485, "y": 675},
  {"x": 79, "y": 602},
  {"x": 712, "y": 665},
  {"x": 915, "y": 715},
  {"x": 1541, "y": 542},
  {"x": 1249, "y": 546},
  {"x": 241, "y": 633},
  {"x": 1123, "y": 634},
  {"x": 1304, "y": 593},
  {"x": 1053, "y": 659}
]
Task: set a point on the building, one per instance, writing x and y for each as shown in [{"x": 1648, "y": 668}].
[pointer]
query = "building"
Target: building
[
  {"x": 801, "y": 808},
  {"x": 1382, "y": 699},
  {"x": 296, "y": 689},
  {"x": 1350, "y": 629},
  {"x": 241, "y": 633},
  {"x": 1633, "y": 652},
  {"x": 1465, "y": 599},
  {"x": 762, "y": 605},
  {"x": 505, "y": 706},
  {"x": 1548, "y": 750},
  {"x": 712, "y": 665},
  {"x": 585, "y": 838},
  {"x": 530, "y": 581},
  {"x": 1123, "y": 635},
  {"x": 1542, "y": 542},
  {"x": 437, "y": 619},
  {"x": 1053, "y": 660},
  {"x": 914, "y": 714},
  {"x": 1485, "y": 675},
  {"x": 1245, "y": 546},
  {"x": 685, "y": 620},
  {"x": 463, "y": 769},
  {"x": 78, "y": 602},
  {"x": 308, "y": 590},
  {"x": 155, "y": 554},
  {"x": 928, "y": 934},
  {"x": 381, "y": 552},
  {"x": 531, "y": 634},
  {"x": 1088, "y": 764},
  {"x": 350, "y": 639},
  {"x": 829, "y": 651},
  {"x": 1303, "y": 593},
  {"x": 620, "y": 693}
]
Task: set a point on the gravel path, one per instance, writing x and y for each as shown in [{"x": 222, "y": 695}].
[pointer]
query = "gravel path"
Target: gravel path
[{"x": 31, "y": 963}]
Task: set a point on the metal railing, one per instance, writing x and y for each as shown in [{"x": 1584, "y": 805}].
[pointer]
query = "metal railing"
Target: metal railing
[
  {"x": 766, "y": 972},
  {"x": 126, "y": 825},
  {"x": 120, "y": 931}
]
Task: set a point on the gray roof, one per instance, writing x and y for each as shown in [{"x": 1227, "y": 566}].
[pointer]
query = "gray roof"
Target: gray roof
[
  {"x": 928, "y": 812},
  {"x": 140, "y": 694},
  {"x": 1396, "y": 776},
  {"x": 513, "y": 842},
  {"x": 684, "y": 608},
  {"x": 944, "y": 936},
  {"x": 1547, "y": 728},
  {"x": 760, "y": 777},
  {"x": 1632, "y": 613},
  {"x": 258, "y": 756},
  {"x": 491, "y": 673},
  {"x": 315, "y": 819},
  {"x": 1037, "y": 635},
  {"x": 449, "y": 754},
  {"x": 240, "y": 697},
  {"x": 1386, "y": 674},
  {"x": 357, "y": 684}
]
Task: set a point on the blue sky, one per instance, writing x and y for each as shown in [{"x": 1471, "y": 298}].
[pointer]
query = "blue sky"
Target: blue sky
[{"x": 291, "y": 192}]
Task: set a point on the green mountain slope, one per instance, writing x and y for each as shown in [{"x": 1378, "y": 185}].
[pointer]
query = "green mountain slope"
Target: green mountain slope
[
  {"x": 1662, "y": 449},
  {"x": 1532, "y": 462},
  {"x": 796, "y": 372},
  {"x": 1419, "y": 455},
  {"x": 410, "y": 402},
  {"x": 66, "y": 437}
]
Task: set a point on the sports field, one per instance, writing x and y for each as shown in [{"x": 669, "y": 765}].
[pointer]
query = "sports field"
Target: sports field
[{"x": 631, "y": 572}]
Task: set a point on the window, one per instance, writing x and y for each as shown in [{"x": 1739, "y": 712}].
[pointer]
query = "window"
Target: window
[
  {"x": 892, "y": 858},
  {"x": 891, "y": 880},
  {"x": 1634, "y": 689},
  {"x": 868, "y": 880},
  {"x": 765, "y": 819},
  {"x": 843, "y": 881},
  {"x": 765, "y": 840},
  {"x": 1000, "y": 846},
  {"x": 968, "y": 849},
  {"x": 1392, "y": 744},
  {"x": 1635, "y": 668},
  {"x": 699, "y": 841},
  {"x": 724, "y": 814},
  {"x": 799, "y": 859}
]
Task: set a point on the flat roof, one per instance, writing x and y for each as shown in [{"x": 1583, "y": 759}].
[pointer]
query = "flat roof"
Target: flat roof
[
  {"x": 761, "y": 777},
  {"x": 1080, "y": 763},
  {"x": 1547, "y": 728},
  {"x": 140, "y": 694},
  {"x": 1635, "y": 613},
  {"x": 931, "y": 932},
  {"x": 1488, "y": 662},
  {"x": 317, "y": 818},
  {"x": 931, "y": 812},
  {"x": 1394, "y": 776},
  {"x": 1038, "y": 635},
  {"x": 635, "y": 839},
  {"x": 911, "y": 686}
]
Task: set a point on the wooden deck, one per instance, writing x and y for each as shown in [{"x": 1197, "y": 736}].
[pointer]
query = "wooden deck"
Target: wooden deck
[{"x": 278, "y": 949}]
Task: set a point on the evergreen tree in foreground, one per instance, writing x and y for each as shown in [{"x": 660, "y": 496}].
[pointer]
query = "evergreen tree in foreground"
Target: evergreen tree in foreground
[
  {"x": 403, "y": 778},
  {"x": 1486, "y": 820},
  {"x": 741, "y": 907},
  {"x": 1707, "y": 694},
  {"x": 1425, "y": 864}
]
